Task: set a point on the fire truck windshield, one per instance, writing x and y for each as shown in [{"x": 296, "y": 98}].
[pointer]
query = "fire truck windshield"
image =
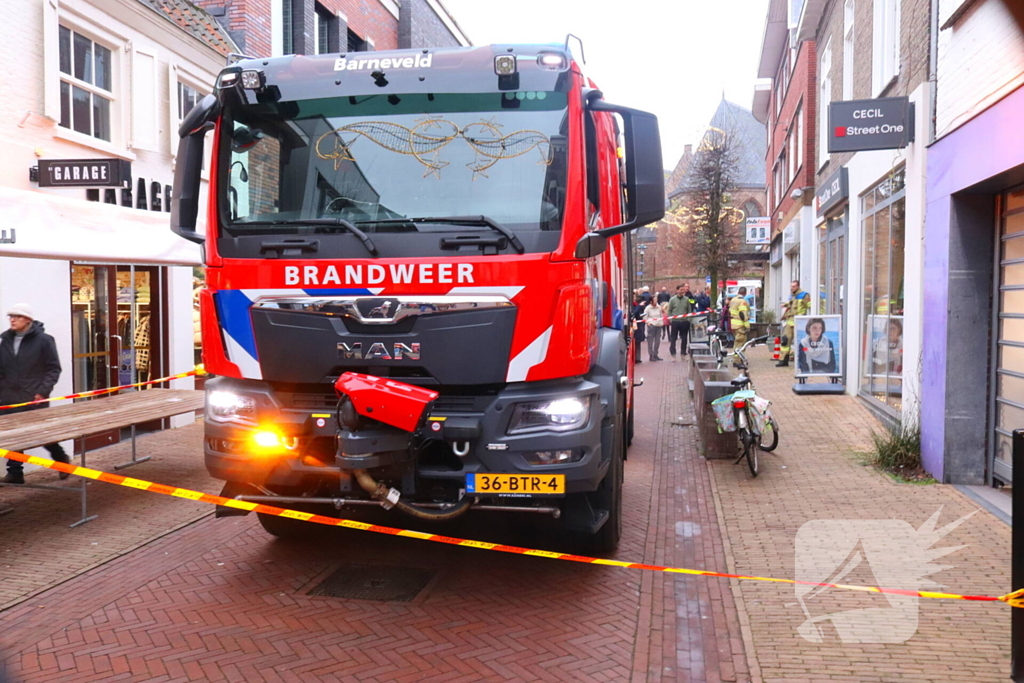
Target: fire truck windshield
[{"x": 372, "y": 161}]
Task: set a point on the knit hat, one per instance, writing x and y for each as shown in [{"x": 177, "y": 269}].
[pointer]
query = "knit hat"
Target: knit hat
[{"x": 21, "y": 309}]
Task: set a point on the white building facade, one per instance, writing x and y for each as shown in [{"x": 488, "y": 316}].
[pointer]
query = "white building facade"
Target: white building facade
[{"x": 101, "y": 80}]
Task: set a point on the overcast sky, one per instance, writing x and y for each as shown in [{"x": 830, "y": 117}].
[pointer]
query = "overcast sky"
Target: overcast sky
[{"x": 671, "y": 57}]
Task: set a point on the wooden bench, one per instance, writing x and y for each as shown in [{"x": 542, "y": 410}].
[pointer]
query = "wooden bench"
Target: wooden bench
[{"x": 21, "y": 431}]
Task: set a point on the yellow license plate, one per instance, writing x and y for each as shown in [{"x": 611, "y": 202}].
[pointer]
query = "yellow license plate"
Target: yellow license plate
[{"x": 516, "y": 484}]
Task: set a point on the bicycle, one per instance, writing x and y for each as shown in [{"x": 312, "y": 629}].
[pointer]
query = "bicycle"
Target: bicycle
[
  {"x": 756, "y": 427},
  {"x": 718, "y": 343}
]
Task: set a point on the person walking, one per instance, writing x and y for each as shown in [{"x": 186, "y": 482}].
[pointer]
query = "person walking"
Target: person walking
[
  {"x": 654, "y": 316},
  {"x": 29, "y": 369},
  {"x": 664, "y": 296},
  {"x": 679, "y": 328},
  {"x": 739, "y": 317},
  {"x": 799, "y": 304},
  {"x": 636, "y": 316},
  {"x": 703, "y": 300}
]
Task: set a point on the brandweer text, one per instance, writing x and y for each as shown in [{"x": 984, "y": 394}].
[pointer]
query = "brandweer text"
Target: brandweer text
[{"x": 400, "y": 273}]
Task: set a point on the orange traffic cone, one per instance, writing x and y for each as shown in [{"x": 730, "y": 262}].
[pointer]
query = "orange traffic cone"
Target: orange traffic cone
[{"x": 777, "y": 351}]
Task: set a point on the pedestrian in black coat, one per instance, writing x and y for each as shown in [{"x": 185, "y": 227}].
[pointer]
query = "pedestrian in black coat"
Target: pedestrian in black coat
[{"x": 29, "y": 369}]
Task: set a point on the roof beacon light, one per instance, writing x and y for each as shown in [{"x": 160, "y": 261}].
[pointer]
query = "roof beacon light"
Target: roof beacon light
[
  {"x": 253, "y": 79},
  {"x": 505, "y": 65},
  {"x": 552, "y": 61}
]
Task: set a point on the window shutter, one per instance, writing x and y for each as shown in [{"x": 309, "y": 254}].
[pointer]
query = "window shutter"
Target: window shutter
[
  {"x": 145, "y": 99},
  {"x": 51, "y": 60},
  {"x": 172, "y": 108}
]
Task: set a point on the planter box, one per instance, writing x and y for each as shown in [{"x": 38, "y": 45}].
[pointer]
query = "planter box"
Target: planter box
[{"x": 710, "y": 384}]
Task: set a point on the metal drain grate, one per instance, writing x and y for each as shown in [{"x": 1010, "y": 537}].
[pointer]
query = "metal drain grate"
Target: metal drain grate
[{"x": 374, "y": 582}]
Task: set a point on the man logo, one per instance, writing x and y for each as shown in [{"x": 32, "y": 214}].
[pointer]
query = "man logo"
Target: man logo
[
  {"x": 378, "y": 308},
  {"x": 379, "y": 351}
]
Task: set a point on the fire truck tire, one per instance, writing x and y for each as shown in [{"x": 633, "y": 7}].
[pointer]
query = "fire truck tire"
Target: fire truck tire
[
  {"x": 609, "y": 497},
  {"x": 286, "y": 528}
]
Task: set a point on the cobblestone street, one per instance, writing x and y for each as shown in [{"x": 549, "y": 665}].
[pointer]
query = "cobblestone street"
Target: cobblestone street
[{"x": 158, "y": 590}]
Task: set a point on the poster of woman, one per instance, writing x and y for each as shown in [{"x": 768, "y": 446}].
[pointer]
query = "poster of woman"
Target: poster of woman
[
  {"x": 819, "y": 346},
  {"x": 886, "y": 345}
]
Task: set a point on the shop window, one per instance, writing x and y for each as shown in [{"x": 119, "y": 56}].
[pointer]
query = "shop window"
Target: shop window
[
  {"x": 188, "y": 97},
  {"x": 287, "y": 21},
  {"x": 883, "y": 209},
  {"x": 824, "y": 99},
  {"x": 183, "y": 97},
  {"x": 355, "y": 43},
  {"x": 86, "y": 84},
  {"x": 885, "y": 44},
  {"x": 323, "y": 20},
  {"x": 848, "y": 33}
]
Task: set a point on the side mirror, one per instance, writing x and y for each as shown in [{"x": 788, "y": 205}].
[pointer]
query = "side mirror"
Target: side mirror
[
  {"x": 189, "y": 168},
  {"x": 645, "y": 180},
  {"x": 590, "y": 245}
]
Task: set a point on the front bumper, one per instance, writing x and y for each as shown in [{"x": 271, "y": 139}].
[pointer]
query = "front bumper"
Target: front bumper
[{"x": 231, "y": 454}]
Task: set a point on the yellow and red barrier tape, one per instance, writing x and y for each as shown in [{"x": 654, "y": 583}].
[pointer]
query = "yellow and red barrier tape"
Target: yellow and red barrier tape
[
  {"x": 100, "y": 392},
  {"x": 1015, "y": 599}
]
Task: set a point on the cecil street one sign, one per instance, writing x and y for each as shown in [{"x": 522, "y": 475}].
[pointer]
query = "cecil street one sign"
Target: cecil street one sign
[{"x": 860, "y": 125}]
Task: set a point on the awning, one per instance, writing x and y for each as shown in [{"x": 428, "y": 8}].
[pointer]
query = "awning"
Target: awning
[{"x": 41, "y": 225}]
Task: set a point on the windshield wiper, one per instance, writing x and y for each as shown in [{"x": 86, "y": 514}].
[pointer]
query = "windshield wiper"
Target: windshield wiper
[
  {"x": 462, "y": 220},
  {"x": 323, "y": 222}
]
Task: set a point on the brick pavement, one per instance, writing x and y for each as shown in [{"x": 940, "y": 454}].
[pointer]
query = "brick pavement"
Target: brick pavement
[
  {"x": 818, "y": 473},
  {"x": 38, "y": 548},
  {"x": 220, "y": 600}
]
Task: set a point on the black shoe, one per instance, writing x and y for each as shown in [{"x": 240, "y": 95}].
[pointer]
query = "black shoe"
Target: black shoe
[
  {"x": 638, "y": 361},
  {"x": 782, "y": 364},
  {"x": 63, "y": 458},
  {"x": 13, "y": 478}
]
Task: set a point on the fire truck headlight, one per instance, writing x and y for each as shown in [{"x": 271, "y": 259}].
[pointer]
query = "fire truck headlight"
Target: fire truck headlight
[
  {"x": 227, "y": 406},
  {"x": 552, "y": 61},
  {"x": 560, "y": 415},
  {"x": 253, "y": 79},
  {"x": 505, "y": 65}
]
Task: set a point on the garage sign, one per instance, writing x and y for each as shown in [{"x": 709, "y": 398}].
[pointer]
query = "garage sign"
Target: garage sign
[
  {"x": 860, "y": 125},
  {"x": 84, "y": 173}
]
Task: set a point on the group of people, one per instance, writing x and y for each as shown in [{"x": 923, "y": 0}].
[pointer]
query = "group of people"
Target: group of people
[
  {"x": 661, "y": 315},
  {"x": 29, "y": 369}
]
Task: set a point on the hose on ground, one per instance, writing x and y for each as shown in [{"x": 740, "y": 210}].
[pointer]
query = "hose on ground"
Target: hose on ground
[{"x": 379, "y": 491}]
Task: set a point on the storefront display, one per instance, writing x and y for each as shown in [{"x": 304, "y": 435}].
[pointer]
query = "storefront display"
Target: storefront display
[
  {"x": 883, "y": 220},
  {"x": 819, "y": 348}
]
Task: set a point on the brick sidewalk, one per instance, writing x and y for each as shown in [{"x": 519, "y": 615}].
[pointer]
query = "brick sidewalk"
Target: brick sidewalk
[
  {"x": 40, "y": 551},
  {"x": 818, "y": 473},
  {"x": 221, "y": 600}
]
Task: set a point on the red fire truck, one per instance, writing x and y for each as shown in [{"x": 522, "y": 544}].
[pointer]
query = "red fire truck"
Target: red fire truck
[{"x": 454, "y": 220}]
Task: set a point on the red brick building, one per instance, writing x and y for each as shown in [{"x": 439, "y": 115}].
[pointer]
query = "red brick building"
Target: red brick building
[
  {"x": 788, "y": 108},
  {"x": 669, "y": 261},
  {"x": 279, "y": 27}
]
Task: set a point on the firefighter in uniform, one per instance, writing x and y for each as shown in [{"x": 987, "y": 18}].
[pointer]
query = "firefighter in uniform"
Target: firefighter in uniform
[
  {"x": 799, "y": 304},
  {"x": 739, "y": 318}
]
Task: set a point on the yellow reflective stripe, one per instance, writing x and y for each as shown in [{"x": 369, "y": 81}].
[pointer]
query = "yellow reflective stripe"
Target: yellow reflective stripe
[
  {"x": 1015, "y": 599},
  {"x": 476, "y": 544},
  {"x": 240, "y": 504},
  {"x": 294, "y": 514},
  {"x": 610, "y": 563}
]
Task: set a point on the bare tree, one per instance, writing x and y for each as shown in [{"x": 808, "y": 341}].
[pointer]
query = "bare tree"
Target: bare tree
[{"x": 709, "y": 224}]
